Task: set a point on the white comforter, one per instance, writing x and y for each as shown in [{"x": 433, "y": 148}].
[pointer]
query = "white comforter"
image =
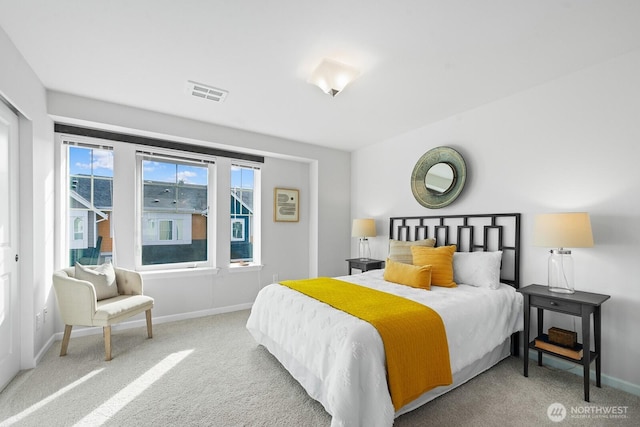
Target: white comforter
[{"x": 339, "y": 359}]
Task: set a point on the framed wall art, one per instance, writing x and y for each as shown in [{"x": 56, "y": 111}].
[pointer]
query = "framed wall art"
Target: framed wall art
[{"x": 286, "y": 205}]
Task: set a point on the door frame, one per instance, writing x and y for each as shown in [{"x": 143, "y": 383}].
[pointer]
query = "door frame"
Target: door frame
[{"x": 10, "y": 363}]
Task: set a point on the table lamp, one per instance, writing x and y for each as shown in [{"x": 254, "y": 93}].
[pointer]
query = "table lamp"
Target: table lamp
[
  {"x": 363, "y": 228},
  {"x": 562, "y": 231}
]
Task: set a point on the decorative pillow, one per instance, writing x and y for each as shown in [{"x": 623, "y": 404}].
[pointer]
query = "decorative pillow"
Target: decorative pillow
[
  {"x": 103, "y": 279},
  {"x": 481, "y": 269},
  {"x": 441, "y": 261},
  {"x": 400, "y": 251},
  {"x": 416, "y": 276}
]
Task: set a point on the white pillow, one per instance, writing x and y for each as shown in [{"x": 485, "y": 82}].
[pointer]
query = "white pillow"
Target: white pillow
[
  {"x": 481, "y": 269},
  {"x": 102, "y": 277}
]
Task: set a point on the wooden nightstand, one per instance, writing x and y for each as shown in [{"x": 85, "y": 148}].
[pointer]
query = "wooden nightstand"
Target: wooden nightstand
[
  {"x": 364, "y": 264},
  {"x": 581, "y": 304}
]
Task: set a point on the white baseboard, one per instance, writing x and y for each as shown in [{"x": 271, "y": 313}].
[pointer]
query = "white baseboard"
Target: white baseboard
[
  {"x": 44, "y": 349},
  {"x": 577, "y": 369},
  {"x": 142, "y": 322},
  {"x": 201, "y": 313}
]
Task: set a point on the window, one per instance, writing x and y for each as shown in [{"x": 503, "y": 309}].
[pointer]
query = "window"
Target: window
[
  {"x": 244, "y": 213},
  {"x": 78, "y": 229},
  {"x": 175, "y": 200},
  {"x": 165, "y": 206},
  {"x": 90, "y": 203},
  {"x": 165, "y": 229},
  {"x": 237, "y": 230}
]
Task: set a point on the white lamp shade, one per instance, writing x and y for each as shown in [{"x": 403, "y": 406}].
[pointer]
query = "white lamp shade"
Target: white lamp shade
[
  {"x": 365, "y": 227},
  {"x": 332, "y": 76},
  {"x": 563, "y": 230}
]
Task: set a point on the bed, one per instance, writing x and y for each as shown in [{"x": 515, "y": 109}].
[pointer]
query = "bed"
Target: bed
[{"x": 340, "y": 359}]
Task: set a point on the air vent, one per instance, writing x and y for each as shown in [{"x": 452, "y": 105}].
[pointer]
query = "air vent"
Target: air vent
[{"x": 202, "y": 91}]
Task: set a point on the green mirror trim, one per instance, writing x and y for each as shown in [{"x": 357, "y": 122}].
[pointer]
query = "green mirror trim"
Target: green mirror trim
[{"x": 433, "y": 199}]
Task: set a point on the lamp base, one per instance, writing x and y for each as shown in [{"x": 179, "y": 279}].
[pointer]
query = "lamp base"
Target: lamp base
[
  {"x": 561, "y": 290},
  {"x": 561, "y": 272},
  {"x": 364, "y": 250}
]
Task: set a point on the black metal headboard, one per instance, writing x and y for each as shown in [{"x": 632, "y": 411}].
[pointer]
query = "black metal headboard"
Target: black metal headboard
[{"x": 477, "y": 232}]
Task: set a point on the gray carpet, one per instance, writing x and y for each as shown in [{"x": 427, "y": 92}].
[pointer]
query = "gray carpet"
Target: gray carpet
[{"x": 209, "y": 372}]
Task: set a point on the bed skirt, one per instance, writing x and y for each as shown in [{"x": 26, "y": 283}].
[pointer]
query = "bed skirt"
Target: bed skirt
[{"x": 490, "y": 359}]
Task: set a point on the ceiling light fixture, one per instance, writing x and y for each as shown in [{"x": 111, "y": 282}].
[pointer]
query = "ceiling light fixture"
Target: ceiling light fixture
[{"x": 332, "y": 76}]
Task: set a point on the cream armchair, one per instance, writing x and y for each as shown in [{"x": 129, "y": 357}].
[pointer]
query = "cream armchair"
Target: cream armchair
[{"x": 79, "y": 305}]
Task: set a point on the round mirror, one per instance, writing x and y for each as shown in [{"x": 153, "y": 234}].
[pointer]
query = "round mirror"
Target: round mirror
[{"x": 438, "y": 177}]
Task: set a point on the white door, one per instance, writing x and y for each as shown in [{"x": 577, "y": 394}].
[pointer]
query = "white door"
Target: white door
[{"x": 9, "y": 298}]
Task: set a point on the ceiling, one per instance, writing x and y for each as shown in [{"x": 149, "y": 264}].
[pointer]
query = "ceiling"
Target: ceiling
[{"x": 420, "y": 60}]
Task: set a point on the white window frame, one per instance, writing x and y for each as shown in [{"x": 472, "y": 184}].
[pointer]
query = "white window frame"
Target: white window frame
[
  {"x": 65, "y": 243},
  {"x": 257, "y": 215},
  {"x": 146, "y": 153}
]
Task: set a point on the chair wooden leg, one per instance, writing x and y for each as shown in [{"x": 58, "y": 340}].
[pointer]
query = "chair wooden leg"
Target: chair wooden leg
[
  {"x": 107, "y": 342},
  {"x": 149, "y": 328},
  {"x": 65, "y": 340}
]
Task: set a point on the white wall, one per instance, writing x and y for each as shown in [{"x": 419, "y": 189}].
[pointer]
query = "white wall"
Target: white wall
[{"x": 570, "y": 145}]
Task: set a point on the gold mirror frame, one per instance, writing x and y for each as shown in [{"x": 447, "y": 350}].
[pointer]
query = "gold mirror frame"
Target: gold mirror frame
[{"x": 432, "y": 199}]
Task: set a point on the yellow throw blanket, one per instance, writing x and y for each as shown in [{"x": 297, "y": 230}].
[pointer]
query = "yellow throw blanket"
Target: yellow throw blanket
[{"x": 415, "y": 342}]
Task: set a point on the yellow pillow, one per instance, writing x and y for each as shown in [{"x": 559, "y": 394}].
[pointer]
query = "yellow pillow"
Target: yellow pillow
[
  {"x": 416, "y": 276},
  {"x": 441, "y": 261}
]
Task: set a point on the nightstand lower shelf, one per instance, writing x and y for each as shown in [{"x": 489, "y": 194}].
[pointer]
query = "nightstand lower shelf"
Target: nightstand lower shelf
[{"x": 592, "y": 355}]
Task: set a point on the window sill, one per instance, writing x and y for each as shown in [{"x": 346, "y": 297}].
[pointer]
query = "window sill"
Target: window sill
[
  {"x": 179, "y": 272},
  {"x": 238, "y": 268}
]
